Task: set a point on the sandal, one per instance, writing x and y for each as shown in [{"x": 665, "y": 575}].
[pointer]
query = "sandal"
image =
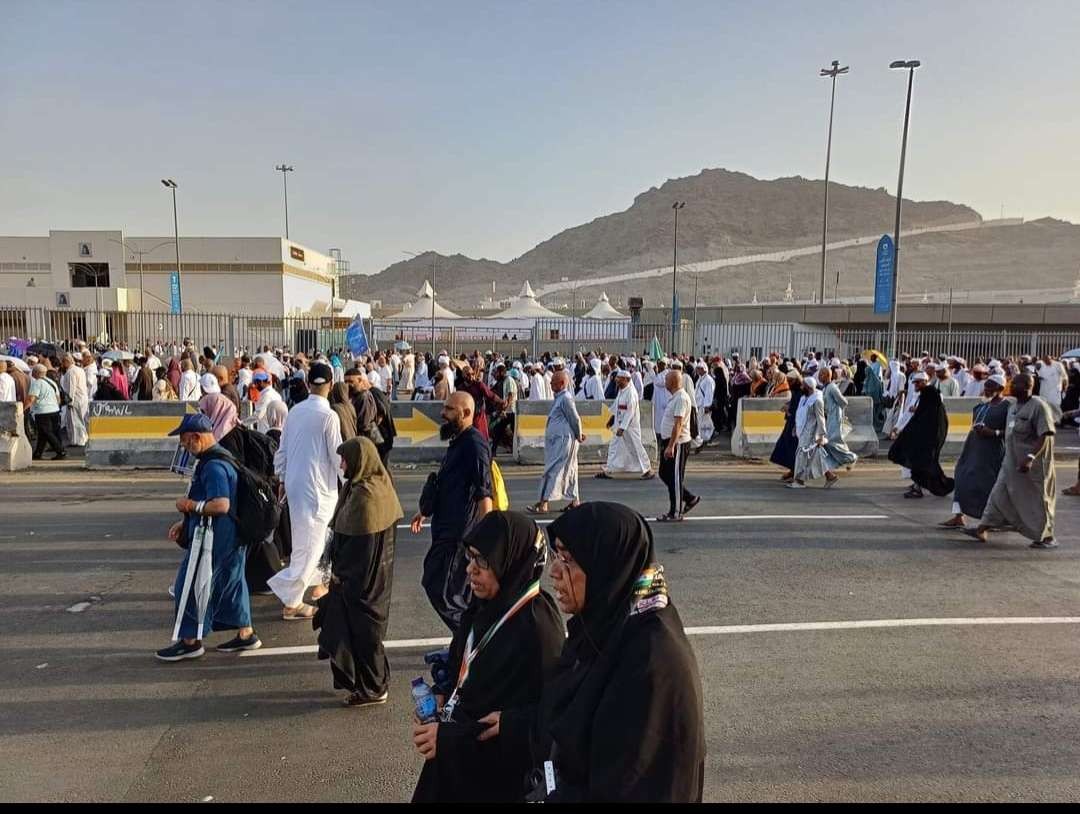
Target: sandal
[
  {"x": 1072, "y": 491},
  {"x": 296, "y": 614},
  {"x": 603, "y": 476},
  {"x": 669, "y": 518},
  {"x": 567, "y": 508},
  {"x": 534, "y": 508},
  {"x": 648, "y": 475}
]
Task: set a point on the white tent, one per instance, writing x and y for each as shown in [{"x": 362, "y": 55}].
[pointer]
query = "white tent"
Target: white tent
[
  {"x": 526, "y": 306},
  {"x": 604, "y": 310},
  {"x": 421, "y": 308}
]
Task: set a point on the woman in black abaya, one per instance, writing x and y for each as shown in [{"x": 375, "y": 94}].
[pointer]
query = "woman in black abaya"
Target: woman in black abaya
[
  {"x": 621, "y": 720},
  {"x": 353, "y": 615},
  {"x": 506, "y": 552}
]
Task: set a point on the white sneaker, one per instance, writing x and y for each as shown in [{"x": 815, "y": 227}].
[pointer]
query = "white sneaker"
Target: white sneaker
[{"x": 795, "y": 485}]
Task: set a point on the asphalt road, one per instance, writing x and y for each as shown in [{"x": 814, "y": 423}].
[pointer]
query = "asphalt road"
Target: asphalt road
[{"x": 928, "y": 712}]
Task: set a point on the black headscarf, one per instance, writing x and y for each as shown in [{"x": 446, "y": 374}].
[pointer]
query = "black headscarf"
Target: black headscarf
[
  {"x": 613, "y": 544},
  {"x": 622, "y": 716},
  {"x": 514, "y": 548}
]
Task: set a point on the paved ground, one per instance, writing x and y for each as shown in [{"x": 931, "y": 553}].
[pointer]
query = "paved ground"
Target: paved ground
[{"x": 958, "y": 712}]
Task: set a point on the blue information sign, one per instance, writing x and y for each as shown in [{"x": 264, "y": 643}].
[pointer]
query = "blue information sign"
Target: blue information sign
[
  {"x": 883, "y": 275},
  {"x": 174, "y": 292},
  {"x": 356, "y": 337}
]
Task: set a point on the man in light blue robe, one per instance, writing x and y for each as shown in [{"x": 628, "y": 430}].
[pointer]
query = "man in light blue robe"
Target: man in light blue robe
[{"x": 561, "y": 439}]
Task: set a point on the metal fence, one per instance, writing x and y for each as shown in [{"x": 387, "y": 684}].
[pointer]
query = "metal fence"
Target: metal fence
[
  {"x": 557, "y": 335},
  {"x": 139, "y": 328}
]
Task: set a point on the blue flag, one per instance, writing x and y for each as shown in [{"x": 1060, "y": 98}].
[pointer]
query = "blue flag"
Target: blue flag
[
  {"x": 883, "y": 275},
  {"x": 356, "y": 338}
]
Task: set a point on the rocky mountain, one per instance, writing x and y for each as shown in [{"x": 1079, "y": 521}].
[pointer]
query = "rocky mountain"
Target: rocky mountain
[{"x": 727, "y": 214}]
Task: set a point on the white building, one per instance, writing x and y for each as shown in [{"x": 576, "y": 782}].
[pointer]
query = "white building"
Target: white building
[{"x": 101, "y": 270}]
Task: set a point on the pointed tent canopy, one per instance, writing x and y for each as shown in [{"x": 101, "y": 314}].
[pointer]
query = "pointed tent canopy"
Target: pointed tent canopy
[
  {"x": 421, "y": 308},
  {"x": 654, "y": 351},
  {"x": 526, "y": 306},
  {"x": 604, "y": 310}
]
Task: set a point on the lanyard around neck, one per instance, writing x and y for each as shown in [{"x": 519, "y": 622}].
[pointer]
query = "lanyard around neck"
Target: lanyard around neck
[{"x": 471, "y": 653}]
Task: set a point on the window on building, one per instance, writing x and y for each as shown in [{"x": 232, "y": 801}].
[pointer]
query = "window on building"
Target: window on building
[{"x": 89, "y": 275}]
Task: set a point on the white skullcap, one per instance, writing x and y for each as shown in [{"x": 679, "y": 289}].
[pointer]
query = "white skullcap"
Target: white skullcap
[
  {"x": 622, "y": 374},
  {"x": 810, "y": 382},
  {"x": 444, "y": 360},
  {"x": 997, "y": 379},
  {"x": 919, "y": 376},
  {"x": 209, "y": 384},
  {"x": 675, "y": 364}
]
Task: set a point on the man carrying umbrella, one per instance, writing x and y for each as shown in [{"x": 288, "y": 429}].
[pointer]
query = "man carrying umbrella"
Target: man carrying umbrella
[{"x": 210, "y": 590}]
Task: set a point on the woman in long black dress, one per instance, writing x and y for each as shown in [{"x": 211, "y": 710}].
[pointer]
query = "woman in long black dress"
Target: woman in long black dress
[
  {"x": 353, "y": 615},
  {"x": 787, "y": 445},
  {"x": 516, "y": 633},
  {"x": 621, "y": 720}
]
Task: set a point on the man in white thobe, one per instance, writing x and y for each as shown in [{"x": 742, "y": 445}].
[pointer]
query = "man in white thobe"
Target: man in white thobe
[
  {"x": 90, "y": 370},
  {"x": 307, "y": 463},
  {"x": 635, "y": 378},
  {"x": 7, "y": 384},
  {"x": 75, "y": 414},
  {"x": 538, "y": 386},
  {"x": 267, "y": 394},
  {"x": 626, "y": 453},
  {"x": 190, "y": 390},
  {"x": 703, "y": 397}
]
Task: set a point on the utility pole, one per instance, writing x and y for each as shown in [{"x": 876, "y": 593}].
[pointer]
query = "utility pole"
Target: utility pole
[
  {"x": 909, "y": 66},
  {"x": 674, "y": 271},
  {"x": 171, "y": 184},
  {"x": 284, "y": 169},
  {"x": 833, "y": 72}
]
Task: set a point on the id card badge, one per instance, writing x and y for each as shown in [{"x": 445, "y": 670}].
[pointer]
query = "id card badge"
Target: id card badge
[{"x": 549, "y": 776}]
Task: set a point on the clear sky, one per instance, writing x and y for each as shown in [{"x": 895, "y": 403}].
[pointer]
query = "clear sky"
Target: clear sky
[{"x": 486, "y": 127}]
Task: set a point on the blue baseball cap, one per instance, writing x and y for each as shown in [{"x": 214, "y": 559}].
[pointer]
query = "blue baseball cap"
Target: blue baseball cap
[
  {"x": 261, "y": 376},
  {"x": 197, "y": 422}
]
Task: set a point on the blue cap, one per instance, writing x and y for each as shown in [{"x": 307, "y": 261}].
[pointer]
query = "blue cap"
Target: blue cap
[
  {"x": 261, "y": 376},
  {"x": 197, "y": 422}
]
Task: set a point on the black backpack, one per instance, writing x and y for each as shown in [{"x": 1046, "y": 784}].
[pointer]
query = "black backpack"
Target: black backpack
[{"x": 257, "y": 511}]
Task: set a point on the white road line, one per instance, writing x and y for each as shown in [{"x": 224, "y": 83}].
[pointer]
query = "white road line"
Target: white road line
[
  {"x": 714, "y": 517},
  {"x": 724, "y": 630}
]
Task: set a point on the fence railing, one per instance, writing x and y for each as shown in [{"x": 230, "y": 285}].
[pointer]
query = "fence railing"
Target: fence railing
[{"x": 561, "y": 336}]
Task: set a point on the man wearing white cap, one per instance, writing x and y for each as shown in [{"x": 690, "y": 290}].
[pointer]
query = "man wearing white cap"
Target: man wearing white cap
[
  {"x": 626, "y": 453},
  {"x": 307, "y": 463},
  {"x": 537, "y": 383},
  {"x": 703, "y": 396},
  {"x": 917, "y": 444},
  {"x": 592, "y": 387},
  {"x": 977, "y": 382},
  {"x": 979, "y": 462}
]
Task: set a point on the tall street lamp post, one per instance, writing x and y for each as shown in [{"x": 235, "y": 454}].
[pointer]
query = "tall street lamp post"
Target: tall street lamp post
[
  {"x": 169, "y": 183},
  {"x": 284, "y": 169},
  {"x": 909, "y": 66},
  {"x": 834, "y": 71},
  {"x": 674, "y": 271}
]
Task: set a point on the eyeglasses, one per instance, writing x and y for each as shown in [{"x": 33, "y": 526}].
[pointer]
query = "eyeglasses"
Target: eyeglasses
[
  {"x": 480, "y": 560},
  {"x": 563, "y": 558}
]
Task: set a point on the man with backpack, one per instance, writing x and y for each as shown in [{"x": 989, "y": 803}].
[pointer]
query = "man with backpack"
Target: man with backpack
[{"x": 210, "y": 591}]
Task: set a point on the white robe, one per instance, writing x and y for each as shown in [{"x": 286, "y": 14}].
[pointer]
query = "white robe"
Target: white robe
[
  {"x": 703, "y": 394},
  {"x": 190, "y": 390},
  {"x": 308, "y": 464},
  {"x": 75, "y": 414},
  {"x": 635, "y": 379},
  {"x": 660, "y": 398},
  {"x": 7, "y": 387},
  {"x": 90, "y": 372},
  {"x": 265, "y": 397},
  {"x": 627, "y": 454},
  {"x": 538, "y": 388}
]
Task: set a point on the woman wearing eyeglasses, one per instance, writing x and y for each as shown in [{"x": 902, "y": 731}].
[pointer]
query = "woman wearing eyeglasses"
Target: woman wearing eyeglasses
[
  {"x": 621, "y": 720},
  {"x": 507, "y": 644}
]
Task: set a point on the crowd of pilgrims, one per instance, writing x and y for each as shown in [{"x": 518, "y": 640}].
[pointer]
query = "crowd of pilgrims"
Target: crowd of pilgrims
[{"x": 607, "y": 706}]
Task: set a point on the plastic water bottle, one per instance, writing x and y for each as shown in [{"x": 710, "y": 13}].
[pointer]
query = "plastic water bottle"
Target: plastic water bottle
[{"x": 427, "y": 707}]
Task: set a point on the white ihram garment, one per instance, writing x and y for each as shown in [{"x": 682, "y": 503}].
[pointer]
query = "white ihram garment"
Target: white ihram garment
[
  {"x": 627, "y": 454},
  {"x": 75, "y": 414},
  {"x": 265, "y": 397},
  {"x": 703, "y": 394},
  {"x": 308, "y": 464},
  {"x": 190, "y": 389},
  {"x": 538, "y": 388}
]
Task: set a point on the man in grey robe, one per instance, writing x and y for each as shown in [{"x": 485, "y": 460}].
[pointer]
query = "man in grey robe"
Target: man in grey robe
[
  {"x": 561, "y": 439},
  {"x": 835, "y": 404},
  {"x": 811, "y": 461},
  {"x": 1024, "y": 496},
  {"x": 980, "y": 460}
]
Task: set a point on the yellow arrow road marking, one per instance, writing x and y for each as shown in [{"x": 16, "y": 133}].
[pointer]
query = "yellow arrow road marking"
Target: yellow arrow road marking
[{"x": 591, "y": 425}]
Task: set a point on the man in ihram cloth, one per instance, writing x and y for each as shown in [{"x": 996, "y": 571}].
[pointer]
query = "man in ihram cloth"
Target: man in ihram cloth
[{"x": 626, "y": 453}]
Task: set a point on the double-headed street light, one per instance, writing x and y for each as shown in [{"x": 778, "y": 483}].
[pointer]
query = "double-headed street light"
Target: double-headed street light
[
  {"x": 834, "y": 71},
  {"x": 674, "y": 271},
  {"x": 284, "y": 169},
  {"x": 909, "y": 66},
  {"x": 169, "y": 183}
]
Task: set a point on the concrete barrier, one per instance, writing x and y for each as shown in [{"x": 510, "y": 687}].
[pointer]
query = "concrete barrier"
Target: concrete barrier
[
  {"x": 417, "y": 424},
  {"x": 134, "y": 433},
  {"x": 959, "y": 412},
  {"x": 15, "y": 450},
  {"x": 760, "y": 422},
  {"x": 531, "y": 422}
]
